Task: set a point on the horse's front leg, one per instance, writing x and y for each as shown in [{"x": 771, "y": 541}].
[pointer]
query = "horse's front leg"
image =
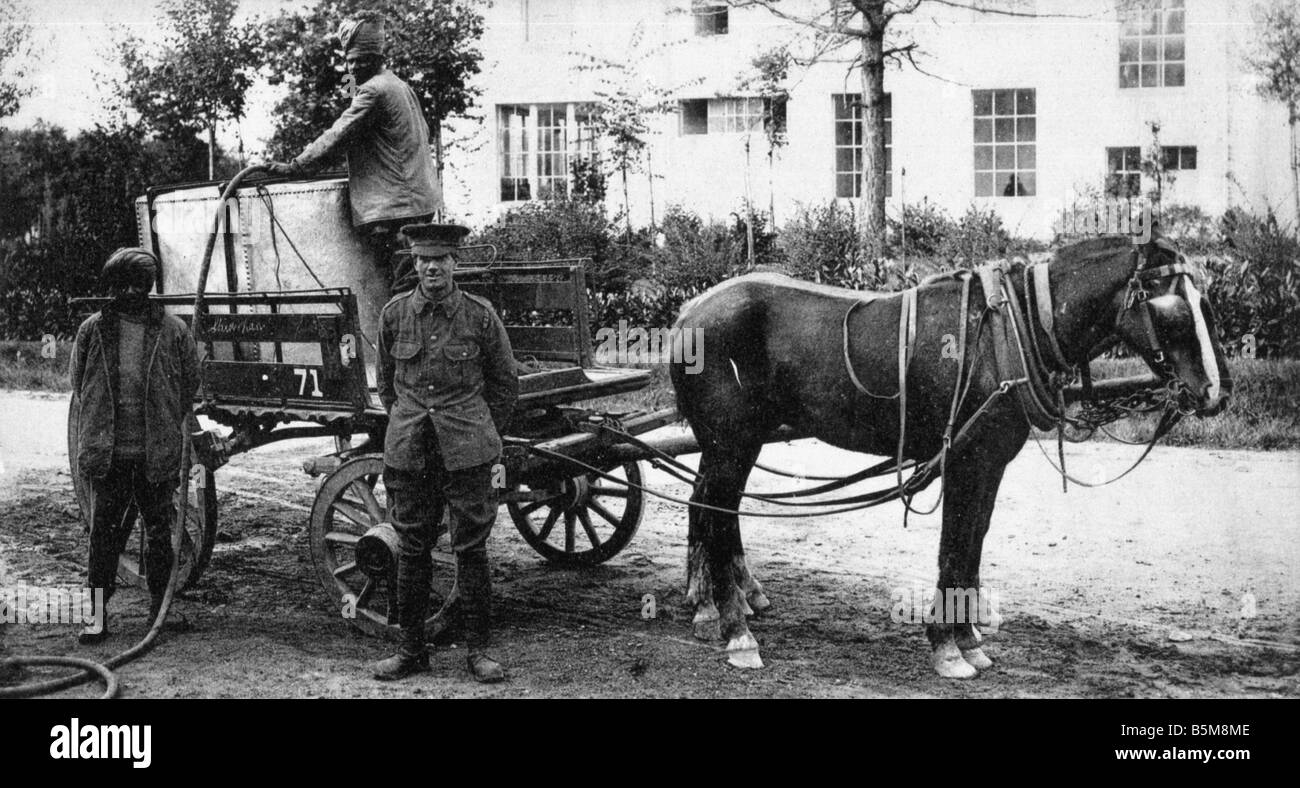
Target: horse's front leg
[{"x": 971, "y": 487}]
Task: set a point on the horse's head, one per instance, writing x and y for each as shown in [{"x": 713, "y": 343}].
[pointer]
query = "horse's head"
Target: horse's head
[{"x": 1164, "y": 317}]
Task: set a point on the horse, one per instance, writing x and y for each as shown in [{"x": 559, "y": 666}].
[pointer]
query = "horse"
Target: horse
[{"x": 947, "y": 378}]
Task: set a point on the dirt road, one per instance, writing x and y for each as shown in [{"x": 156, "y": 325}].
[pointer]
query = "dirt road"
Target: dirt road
[{"x": 1135, "y": 589}]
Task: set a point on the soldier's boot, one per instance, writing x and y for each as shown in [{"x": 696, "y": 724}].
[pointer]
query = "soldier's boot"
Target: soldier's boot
[
  {"x": 475, "y": 583},
  {"x": 413, "y": 578}
]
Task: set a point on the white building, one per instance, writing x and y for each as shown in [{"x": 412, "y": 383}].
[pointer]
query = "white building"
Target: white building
[{"x": 1025, "y": 114}]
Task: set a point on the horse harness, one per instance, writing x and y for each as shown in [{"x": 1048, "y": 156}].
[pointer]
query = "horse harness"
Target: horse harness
[{"x": 1037, "y": 371}]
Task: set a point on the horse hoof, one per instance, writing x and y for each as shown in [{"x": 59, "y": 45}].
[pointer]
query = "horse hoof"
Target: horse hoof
[
  {"x": 742, "y": 652},
  {"x": 705, "y": 628},
  {"x": 745, "y": 609},
  {"x": 976, "y": 658},
  {"x": 758, "y": 601},
  {"x": 948, "y": 663}
]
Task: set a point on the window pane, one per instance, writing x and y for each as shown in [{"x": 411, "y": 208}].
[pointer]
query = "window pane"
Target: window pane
[
  {"x": 1150, "y": 50},
  {"x": 1004, "y": 102},
  {"x": 1025, "y": 102},
  {"x": 889, "y": 133},
  {"x": 1169, "y": 158},
  {"x": 1151, "y": 76},
  {"x": 1174, "y": 22},
  {"x": 695, "y": 116},
  {"x": 843, "y": 159},
  {"x": 1005, "y": 157},
  {"x": 1189, "y": 158},
  {"x": 889, "y": 160},
  {"x": 983, "y": 157},
  {"x": 1150, "y": 23},
  {"x": 983, "y": 184},
  {"x": 1114, "y": 159},
  {"x": 1128, "y": 76},
  {"x": 1006, "y": 184},
  {"x": 1028, "y": 184},
  {"x": 983, "y": 102},
  {"x": 1026, "y": 158},
  {"x": 1174, "y": 48},
  {"x": 846, "y": 186},
  {"x": 1128, "y": 50},
  {"x": 1026, "y": 129},
  {"x": 1174, "y": 74},
  {"x": 843, "y": 133},
  {"x": 1132, "y": 158},
  {"x": 1004, "y": 130},
  {"x": 983, "y": 130}
]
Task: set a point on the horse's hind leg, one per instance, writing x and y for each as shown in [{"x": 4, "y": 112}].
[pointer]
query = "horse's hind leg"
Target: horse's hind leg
[{"x": 971, "y": 488}]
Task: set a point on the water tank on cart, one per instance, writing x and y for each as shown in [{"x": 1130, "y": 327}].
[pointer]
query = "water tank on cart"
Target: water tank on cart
[{"x": 277, "y": 236}]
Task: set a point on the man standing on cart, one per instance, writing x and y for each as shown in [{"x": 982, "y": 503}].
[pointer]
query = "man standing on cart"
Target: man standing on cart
[
  {"x": 384, "y": 134},
  {"x": 447, "y": 379}
]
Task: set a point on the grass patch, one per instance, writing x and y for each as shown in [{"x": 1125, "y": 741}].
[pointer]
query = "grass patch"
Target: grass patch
[
  {"x": 22, "y": 367},
  {"x": 1263, "y": 412}
]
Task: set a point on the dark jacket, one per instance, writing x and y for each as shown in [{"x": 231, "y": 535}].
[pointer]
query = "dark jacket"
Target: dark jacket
[
  {"x": 171, "y": 378},
  {"x": 446, "y": 366},
  {"x": 390, "y": 170}
]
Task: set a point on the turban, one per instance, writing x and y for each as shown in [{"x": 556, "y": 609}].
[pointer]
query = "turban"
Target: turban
[
  {"x": 130, "y": 266},
  {"x": 362, "y": 37}
]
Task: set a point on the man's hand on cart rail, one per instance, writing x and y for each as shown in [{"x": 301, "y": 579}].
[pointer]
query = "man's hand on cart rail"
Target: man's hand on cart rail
[{"x": 281, "y": 168}]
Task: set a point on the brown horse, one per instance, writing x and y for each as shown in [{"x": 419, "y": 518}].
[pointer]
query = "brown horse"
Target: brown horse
[{"x": 826, "y": 361}]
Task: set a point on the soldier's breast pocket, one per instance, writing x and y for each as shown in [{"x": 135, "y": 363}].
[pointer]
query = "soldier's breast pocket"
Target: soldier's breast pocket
[
  {"x": 460, "y": 362},
  {"x": 406, "y": 353}
]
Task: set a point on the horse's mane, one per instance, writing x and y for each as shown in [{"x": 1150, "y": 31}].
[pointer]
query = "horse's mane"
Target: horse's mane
[{"x": 1087, "y": 251}]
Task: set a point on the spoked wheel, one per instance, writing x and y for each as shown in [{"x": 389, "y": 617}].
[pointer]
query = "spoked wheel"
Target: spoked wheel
[
  {"x": 351, "y": 501},
  {"x": 583, "y": 521},
  {"x": 200, "y": 518}
]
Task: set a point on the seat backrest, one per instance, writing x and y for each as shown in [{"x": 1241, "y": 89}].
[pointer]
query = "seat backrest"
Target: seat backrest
[{"x": 543, "y": 305}]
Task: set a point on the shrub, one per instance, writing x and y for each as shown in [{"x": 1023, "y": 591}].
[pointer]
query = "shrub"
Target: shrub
[{"x": 1255, "y": 284}]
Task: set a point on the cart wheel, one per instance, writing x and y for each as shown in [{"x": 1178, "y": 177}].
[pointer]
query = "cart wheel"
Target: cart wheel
[
  {"x": 585, "y": 521},
  {"x": 200, "y": 519},
  {"x": 350, "y": 502}
]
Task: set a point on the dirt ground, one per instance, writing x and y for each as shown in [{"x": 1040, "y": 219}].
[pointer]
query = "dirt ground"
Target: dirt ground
[{"x": 1130, "y": 590}]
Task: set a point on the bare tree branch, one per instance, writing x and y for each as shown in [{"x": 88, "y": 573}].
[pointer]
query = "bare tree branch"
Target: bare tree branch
[{"x": 1006, "y": 12}]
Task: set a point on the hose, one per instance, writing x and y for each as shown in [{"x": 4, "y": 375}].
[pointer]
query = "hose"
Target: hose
[{"x": 91, "y": 669}]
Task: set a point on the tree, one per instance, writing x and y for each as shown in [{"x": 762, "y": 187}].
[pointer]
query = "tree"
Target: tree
[
  {"x": 15, "y": 53},
  {"x": 869, "y": 26},
  {"x": 431, "y": 45},
  {"x": 200, "y": 75},
  {"x": 1277, "y": 62}
]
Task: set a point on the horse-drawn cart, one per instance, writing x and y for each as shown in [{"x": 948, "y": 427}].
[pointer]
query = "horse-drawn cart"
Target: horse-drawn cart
[{"x": 298, "y": 362}]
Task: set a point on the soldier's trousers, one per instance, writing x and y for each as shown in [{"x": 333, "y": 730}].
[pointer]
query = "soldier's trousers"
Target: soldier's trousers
[
  {"x": 110, "y": 529},
  {"x": 417, "y": 500}
]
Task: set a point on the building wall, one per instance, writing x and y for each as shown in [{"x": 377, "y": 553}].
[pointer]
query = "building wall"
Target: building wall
[{"x": 535, "y": 51}]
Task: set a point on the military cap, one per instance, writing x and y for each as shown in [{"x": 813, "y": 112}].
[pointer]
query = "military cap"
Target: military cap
[{"x": 434, "y": 240}]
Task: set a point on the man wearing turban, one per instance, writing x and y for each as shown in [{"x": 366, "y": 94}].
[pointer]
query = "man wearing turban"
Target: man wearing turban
[
  {"x": 386, "y": 139},
  {"x": 134, "y": 373}
]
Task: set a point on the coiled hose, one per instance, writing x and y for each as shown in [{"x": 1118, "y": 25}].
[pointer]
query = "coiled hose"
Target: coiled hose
[{"x": 104, "y": 671}]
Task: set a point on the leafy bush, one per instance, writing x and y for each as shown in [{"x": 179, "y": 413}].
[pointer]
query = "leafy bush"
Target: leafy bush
[{"x": 1255, "y": 287}]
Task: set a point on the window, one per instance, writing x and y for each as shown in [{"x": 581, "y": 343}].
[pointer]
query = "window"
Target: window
[
  {"x": 1124, "y": 172},
  {"x": 848, "y": 144},
  {"x": 537, "y": 145},
  {"x": 1180, "y": 157},
  {"x": 710, "y": 18},
  {"x": 1005, "y": 132},
  {"x": 1151, "y": 45},
  {"x": 730, "y": 115}
]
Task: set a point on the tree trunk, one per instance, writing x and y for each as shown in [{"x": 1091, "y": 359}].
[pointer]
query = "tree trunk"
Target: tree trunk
[
  {"x": 1292, "y": 117},
  {"x": 872, "y": 219},
  {"x": 212, "y": 151},
  {"x": 435, "y": 131}
]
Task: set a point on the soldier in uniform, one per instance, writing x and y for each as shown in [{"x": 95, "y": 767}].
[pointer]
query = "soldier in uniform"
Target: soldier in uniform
[
  {"x": 384, "y": 134},
  {"x": 447, "y": 379}
]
